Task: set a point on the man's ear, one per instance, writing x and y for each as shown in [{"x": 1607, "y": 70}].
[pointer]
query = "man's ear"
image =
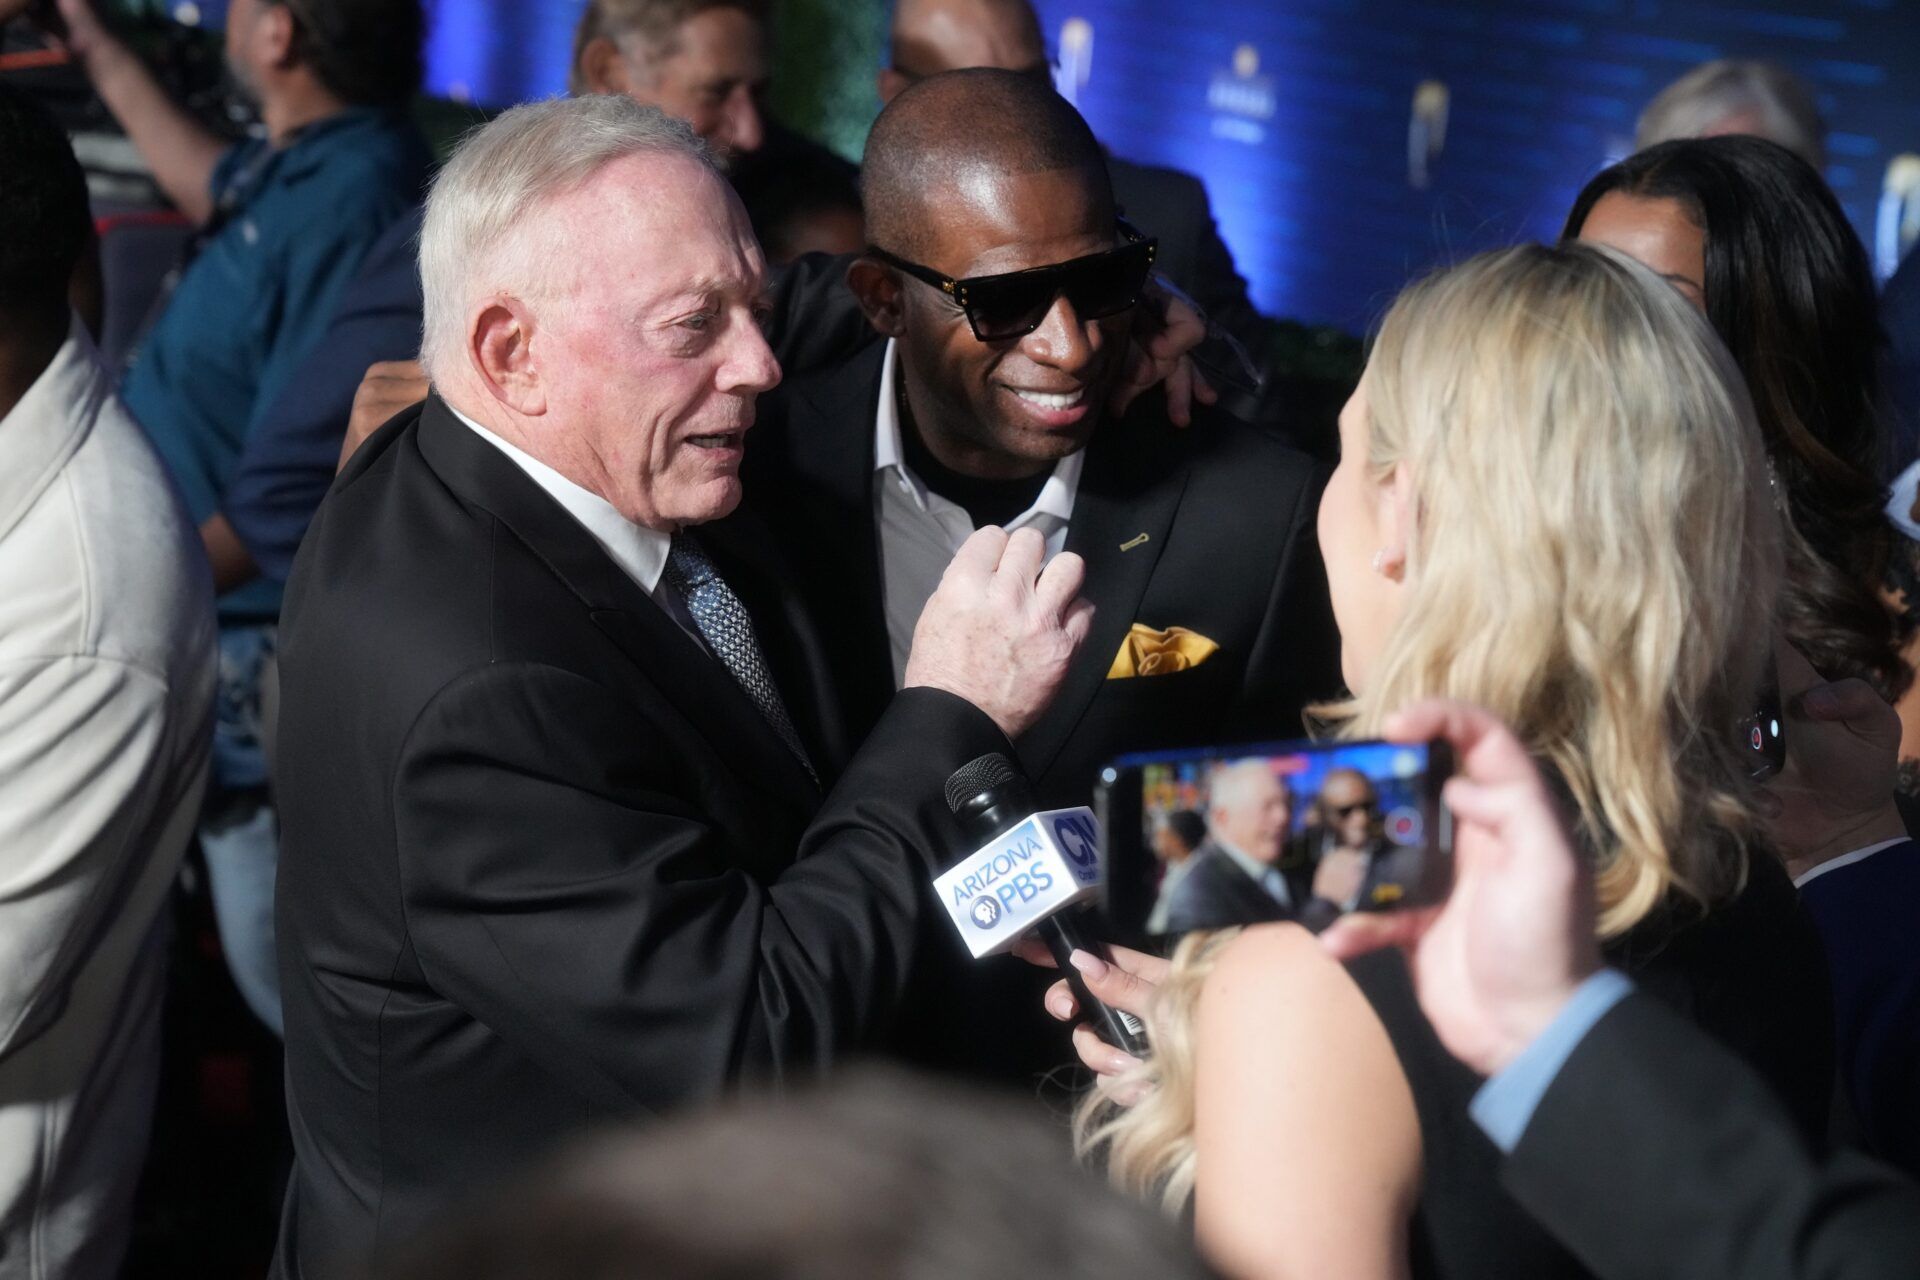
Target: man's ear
[
  {"x": 877, "y": 288},
  {"x": 501, "y": 350},
  {"x": 890, "y": 84},
  {"x": 602, "y": 69},
  {"x": 275, "y": 31}
]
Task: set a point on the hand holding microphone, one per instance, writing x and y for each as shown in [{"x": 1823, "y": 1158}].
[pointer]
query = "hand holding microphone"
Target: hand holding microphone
[{"x": 1030, "y": 875}]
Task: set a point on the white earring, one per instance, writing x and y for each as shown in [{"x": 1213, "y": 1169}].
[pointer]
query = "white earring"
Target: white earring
[{"x": 1380, "y": 562}]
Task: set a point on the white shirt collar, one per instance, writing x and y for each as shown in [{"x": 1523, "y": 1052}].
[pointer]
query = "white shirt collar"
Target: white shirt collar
[
  {"x": 1259, "y": 872},
  {"x": 640, "y": 552},
  {"x": 1846, "y": 860},
  {"x": 1056, "y": 496}
]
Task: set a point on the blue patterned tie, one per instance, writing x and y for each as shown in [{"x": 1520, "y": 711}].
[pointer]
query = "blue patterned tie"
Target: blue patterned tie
[{"x": 728, "y": 631}]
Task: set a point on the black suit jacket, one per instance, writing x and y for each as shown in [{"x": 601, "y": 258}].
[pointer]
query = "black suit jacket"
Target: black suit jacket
[
  {"x": 1174, "y": 207},
  {"x": 1211, "y": 528},
  {"x": 543, "y": 862},
  {"x": 1216, "y": 893},
  {"x": 1656, "y": 1153}
]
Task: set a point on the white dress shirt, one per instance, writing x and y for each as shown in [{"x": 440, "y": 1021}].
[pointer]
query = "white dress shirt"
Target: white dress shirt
[
  {"x": 640, "y": 552},
  {"x": 106, "y": 718},
  {"x": 919, "y": 531},
  {"x": 1264, "y": 874}
]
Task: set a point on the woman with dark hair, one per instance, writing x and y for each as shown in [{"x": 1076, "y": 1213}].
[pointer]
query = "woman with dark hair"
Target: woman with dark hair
[{"x": 1749, "y": 233}]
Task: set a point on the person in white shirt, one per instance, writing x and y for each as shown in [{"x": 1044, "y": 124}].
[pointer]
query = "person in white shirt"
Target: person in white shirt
[{"x": 106, "y": 699}]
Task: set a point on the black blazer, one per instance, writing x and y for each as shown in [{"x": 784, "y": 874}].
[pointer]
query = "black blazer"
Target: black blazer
[
  {"x": 1211, "y": 528},
  {"x": 543, "y": 861},
  {"x": 1173, "y": 207},
  {"x": 1655, "y": 1152},
  {"x": 1216, "y": 893}
]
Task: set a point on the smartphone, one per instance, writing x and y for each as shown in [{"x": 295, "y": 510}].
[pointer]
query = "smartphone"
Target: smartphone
[
  {"x": 1302, "y": 831},
  {"x": 1763, "y": 737}
]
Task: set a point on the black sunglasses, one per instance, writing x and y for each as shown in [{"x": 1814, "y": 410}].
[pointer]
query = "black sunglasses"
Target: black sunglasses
[
  {"x": 1013, "y": 304},
  {"x": 1345, "y": 810}
]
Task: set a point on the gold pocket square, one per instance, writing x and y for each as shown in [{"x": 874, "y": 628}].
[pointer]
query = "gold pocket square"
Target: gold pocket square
[{"x": 1146, "y": 652}]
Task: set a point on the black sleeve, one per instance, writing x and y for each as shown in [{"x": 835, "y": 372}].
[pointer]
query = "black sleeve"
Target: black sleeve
[
  {"x": 563, "y": 884},
  {"x": 1656, "y": 1153},
  {"x": 815, "y": 321}
]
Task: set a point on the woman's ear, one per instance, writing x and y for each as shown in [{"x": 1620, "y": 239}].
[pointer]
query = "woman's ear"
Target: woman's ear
[{"x": 1398, "y": 504}]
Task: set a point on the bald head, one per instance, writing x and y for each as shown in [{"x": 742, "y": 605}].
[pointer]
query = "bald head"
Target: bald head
[
  {"x": 931, "y": 36},
  {"x": 956, "y": 141}
]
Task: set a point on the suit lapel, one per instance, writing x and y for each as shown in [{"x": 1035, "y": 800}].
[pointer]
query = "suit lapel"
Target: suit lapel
[
  {"x": 1121, "y": 514},
  {"x": 695, "y": 682},
  {"x": 823, "y": 466}
]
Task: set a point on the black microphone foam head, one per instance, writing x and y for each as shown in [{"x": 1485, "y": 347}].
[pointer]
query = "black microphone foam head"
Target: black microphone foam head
[{"x": 987, "y": 773}]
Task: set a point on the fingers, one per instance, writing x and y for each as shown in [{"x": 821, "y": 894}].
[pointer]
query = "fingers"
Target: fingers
[
  {"x": 1180, "y": 383},
  {"x": 1034, "y": 952},
  {"x": 1025, "y": 551},
  {"x": 1101, "y": 1058},
  {"x": 1359, "y": 932},
  {"x": 1487, "y": 751},
  {"x": 1203, "y": 391},
  {"x": 979, "y": 556},
  {"x": 1060, "y": 583},
  {"x": 1852, "y": 703},
  {"x": 1079, "y": 623},
  {"x": 1112, "y": 985},
  {"x": 1061, "y": 1002}
]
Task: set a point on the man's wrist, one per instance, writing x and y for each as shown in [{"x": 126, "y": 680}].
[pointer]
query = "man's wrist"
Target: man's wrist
[
  {"x": 1505, "y": 1104},
  {"x": 1885, "y": 825}
]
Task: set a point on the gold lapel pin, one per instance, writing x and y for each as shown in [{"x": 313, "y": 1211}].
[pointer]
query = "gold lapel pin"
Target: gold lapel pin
[{"x": 1131, "y": 543}]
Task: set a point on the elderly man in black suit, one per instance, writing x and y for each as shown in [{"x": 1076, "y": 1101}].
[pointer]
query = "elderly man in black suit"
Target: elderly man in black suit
[
  {"x": 557, "y": 847},
  {"x": 1002, "y": 289},
  {"x": 1236, "y": 876}
]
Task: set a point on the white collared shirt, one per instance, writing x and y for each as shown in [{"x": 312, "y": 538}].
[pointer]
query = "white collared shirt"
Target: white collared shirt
[
  {"x": 640, "y": 552},
  {"x": 1846, "y": 860},
  {"x": 920, "y": 531},
  {"x": 1264, "y": 874}
]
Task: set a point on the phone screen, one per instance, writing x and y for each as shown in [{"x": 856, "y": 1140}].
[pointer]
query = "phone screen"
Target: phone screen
[{"x": 1289, "y": 831}]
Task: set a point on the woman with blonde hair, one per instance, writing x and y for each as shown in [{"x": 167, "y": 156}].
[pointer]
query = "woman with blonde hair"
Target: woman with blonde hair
[{"x": 1552, "y": 501}]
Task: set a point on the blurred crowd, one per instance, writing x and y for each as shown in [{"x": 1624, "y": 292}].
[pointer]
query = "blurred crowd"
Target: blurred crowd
[{"x": 517, "y": 610}]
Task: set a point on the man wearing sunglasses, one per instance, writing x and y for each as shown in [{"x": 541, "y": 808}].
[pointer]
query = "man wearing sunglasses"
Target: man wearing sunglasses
[{"x": 1006, "y": 288}]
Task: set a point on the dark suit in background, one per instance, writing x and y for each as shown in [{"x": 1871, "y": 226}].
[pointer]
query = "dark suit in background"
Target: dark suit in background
[
  {"x": 1216, "y": 893},
  {"x": 545, "y": 862},
  {"x": 1866, "y": 911},
  {"x": 1173, "y": 206},
  {"x": 1656, "y": 1153},
  {"x": 1211, "y": 528}
]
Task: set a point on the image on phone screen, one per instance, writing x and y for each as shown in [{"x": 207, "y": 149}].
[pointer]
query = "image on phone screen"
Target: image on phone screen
[{"x": 1290, "y": 831}]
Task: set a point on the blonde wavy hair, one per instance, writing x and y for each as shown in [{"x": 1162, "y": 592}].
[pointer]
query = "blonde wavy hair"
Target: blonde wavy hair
[{"x": 1593, "y": 557}]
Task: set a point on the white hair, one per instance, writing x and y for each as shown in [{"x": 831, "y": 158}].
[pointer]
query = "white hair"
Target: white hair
[
  {"x": 502, "y": 172},
  {"x": 1232, "y": 784},
  {"x": 1711, "y": 92}
]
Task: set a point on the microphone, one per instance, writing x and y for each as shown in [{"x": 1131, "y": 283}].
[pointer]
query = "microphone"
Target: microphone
[{"x": 1031, "y": 873}]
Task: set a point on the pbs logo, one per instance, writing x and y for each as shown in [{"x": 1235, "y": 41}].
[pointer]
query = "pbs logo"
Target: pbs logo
[{"x": 986, "y": 911}]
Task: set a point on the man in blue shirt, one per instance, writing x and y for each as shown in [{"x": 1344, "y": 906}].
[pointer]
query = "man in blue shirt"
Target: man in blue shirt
[{"x": 285, "y": 220}]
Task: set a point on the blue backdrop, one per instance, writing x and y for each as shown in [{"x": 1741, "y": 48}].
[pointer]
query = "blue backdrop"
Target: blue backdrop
[{"x": 1297, "y": 113}]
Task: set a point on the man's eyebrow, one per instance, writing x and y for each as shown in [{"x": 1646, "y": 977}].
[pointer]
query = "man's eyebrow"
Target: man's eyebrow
[{"x": 702, "y": 288}]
